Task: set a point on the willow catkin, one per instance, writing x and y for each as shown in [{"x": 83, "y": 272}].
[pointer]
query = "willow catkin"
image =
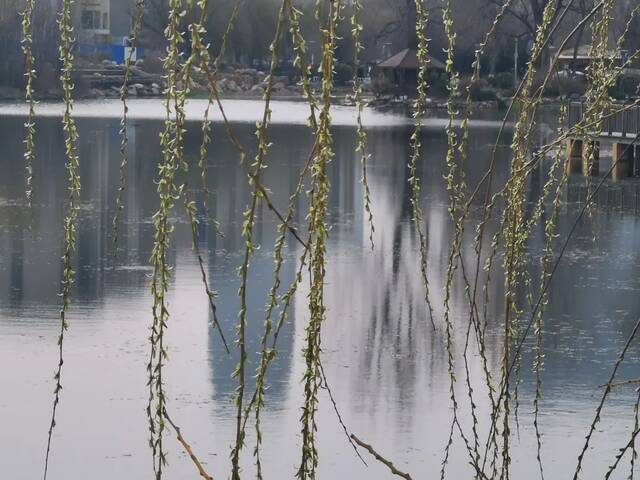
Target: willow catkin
[
  {"x": 171, "y": 141},
  {"x": 461, "y": 217},
  {"x": 599, "y": 80},
  {"x": 603, "y": 399},
  {"x": 30, "y": 74},
  {"x": 361, "y": 147},
  {"x": 455, "y": 187},
  {"x": 269, "y": 352},
  {"x": 419, "y": 106},
  {"x": 550, "y": 232},
  {"x": 124, "y": 121},
  {"x": 73, "y": 166},
  {"x": 202, "y": 50},
  {"x": 247, "y": 231},
  {"x": 300, "y": 61},
  {"x": 199, "y": 50},
  {"x": 514, "y": 232},
  {"x": 319, "y": 233}
]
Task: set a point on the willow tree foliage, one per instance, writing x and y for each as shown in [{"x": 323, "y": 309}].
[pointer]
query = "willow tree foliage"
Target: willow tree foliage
[{"x": 504, "y": 204}]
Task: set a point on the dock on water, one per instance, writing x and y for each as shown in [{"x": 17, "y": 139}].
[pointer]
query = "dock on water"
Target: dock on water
[{"x": 620, "y": 127}]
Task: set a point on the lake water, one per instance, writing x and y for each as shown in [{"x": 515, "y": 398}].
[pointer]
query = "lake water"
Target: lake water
[{"x": 385, "y": 365}]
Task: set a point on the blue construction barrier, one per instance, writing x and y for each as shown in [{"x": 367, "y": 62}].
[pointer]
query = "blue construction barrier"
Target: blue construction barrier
[{"x": 115, "y": 53}]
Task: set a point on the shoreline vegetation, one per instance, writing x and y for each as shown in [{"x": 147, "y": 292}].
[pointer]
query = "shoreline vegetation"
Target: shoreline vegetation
[{"x": 104, "y": 80}]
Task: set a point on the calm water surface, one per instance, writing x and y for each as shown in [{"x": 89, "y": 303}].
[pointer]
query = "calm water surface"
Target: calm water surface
[{"x": 386, "y": 366}]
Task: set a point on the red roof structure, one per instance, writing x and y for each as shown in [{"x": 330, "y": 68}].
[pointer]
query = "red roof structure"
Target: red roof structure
[{"x": 407, "y": 59}]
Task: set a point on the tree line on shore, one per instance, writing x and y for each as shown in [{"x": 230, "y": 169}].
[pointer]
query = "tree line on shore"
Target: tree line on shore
[{"x": 389, "y": 26}]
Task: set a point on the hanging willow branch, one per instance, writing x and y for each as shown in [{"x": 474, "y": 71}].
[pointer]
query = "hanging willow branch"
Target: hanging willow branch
[
  {"x": 73, "y": 166},
  {"x": 247, "y": 231},
  {"x": 603, "y": 399},
  {"x": 507, "y": 204},
  {"x": 319, "y": 233},
  {"x": 356, "y": 32},
  {"x": 198, "y": 49},
  {"x": 455, "y": 186},
  {"x": 268, "y": 354},
  {"x": 202, "y": 50},
  {"x": 30, "y": 73},
  {"x": 172, "y": 144},
  {"x": 459, "y": 217},
  {"x": 515, "y": 234},
  {"x": 124, "y": 121},
  {"x": 325, "y": 386},
  {"x": 550, "y": 232},
  {"x": 211, "y": 76},
  {"x": 419, "y": 107}
]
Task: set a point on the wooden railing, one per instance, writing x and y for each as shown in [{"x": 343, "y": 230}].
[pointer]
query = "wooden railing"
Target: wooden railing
[{"x": 616, "y": 123}]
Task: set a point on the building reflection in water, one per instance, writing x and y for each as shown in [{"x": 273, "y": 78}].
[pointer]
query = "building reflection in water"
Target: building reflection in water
[{"x": 386, "y": 365}]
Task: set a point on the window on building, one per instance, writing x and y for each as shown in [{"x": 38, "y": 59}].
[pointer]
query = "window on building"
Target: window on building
[
  {"x": 90, "y": 20},
  {"x": 105, "y": 21}
]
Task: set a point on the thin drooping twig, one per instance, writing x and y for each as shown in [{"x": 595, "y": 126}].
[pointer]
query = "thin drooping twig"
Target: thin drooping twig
[
  {"x": 325, "y": 385},
  {"x": 605, "y": 394},
  {"x": 30, "y": 73},
  {"x": 198, "y": 49},
  {"x": 211, "y": 79},
  {"x": 202, "y": 50},
  {"x": 171, "y": 141},
  {"x": 623, "y": 450},
  {"x": 457, "y": 193},
  {"x": 620, "y": 384},
  {"x": 380, "y": 458},
  {"x": 124, "y": 121},
  {"x": 247, "y": 232},
  {"x": 203, "y": 473},
  {"x": 190, "y": 207},
  {"x": 544, "y": 289},
  {"x": 489, "y": 175},
  {"x": 556, "y": 264},
  {"x": 268, "y": 354},
  {"x": 73, "y": 170},
  {"x": 636, "y": 425},
  {"x": 480, "y": 238},
  {"x": 550, "y": 230},
  {"x": 455, "y": 187},
  {"x": 419, "y": 108},
  {"x": 361, "y": 148},
  {"x": 318, "y": 232}
]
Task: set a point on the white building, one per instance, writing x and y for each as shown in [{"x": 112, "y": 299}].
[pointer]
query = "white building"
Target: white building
[{"x": 100, "y": 22}]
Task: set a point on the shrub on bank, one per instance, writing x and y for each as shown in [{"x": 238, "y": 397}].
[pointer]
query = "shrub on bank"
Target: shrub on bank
[
  {"x": 502, "y": 80},
  {"x": 343, "y": 74}
]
